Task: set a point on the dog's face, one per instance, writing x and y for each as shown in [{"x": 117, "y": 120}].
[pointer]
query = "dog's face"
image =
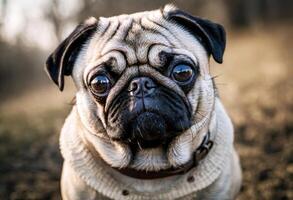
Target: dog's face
[{"x": 144, "y": 89}]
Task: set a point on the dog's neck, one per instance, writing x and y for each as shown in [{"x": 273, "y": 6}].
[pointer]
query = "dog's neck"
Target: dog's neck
[
  {"x": 198, "y": 155},
  {"x": 93, "y": 171}
]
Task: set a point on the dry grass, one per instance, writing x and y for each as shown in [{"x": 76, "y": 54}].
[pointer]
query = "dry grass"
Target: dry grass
[
  {"x": 255, "y": 84},
  {"x": 257, "y": 92}
]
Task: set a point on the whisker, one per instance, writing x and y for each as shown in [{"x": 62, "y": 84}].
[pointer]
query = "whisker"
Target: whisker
[{"x": 139, "y": 146}]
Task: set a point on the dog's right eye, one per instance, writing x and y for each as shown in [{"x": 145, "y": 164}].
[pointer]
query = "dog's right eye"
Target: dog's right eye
[{"x": 100, "y": 85}]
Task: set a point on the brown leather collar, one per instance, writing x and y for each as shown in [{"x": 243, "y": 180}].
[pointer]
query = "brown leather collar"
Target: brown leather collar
[{"x": 198, "y": 155}]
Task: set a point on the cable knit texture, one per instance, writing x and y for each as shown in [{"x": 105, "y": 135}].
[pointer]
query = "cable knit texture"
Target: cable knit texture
[{"x": 110, "y": 183}]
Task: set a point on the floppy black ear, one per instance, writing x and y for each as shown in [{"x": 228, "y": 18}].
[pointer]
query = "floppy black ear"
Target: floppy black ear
[
  {"x": 211, "y": 34},
  {"x": 61, "y": 61}
]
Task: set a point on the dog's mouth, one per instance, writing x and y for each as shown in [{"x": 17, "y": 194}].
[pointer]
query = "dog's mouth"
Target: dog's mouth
[
  {"x": 149, "y": 130},
  {"x": 147, "y": 122}
]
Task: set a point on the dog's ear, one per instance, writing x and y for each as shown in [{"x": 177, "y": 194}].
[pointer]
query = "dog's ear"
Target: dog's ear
[
  {"x": 211, "y": 34},
  {"x": 61, "y": 61}
]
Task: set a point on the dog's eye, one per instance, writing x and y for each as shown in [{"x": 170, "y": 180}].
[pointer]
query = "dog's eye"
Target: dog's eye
[
  {"x": 100, "y": 85},
  {"x": 182, "y": 73}
]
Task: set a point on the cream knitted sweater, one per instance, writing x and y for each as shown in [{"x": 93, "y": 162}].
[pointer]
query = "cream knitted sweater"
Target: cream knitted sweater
[{"x": 211, "y": 171}]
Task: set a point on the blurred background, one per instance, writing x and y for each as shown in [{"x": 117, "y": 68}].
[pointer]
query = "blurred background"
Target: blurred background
[{"x": 255, "y": 84}]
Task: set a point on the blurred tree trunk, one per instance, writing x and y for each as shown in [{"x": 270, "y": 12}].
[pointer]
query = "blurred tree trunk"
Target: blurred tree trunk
[
  {"x": 57, "y": 20},
  {"x": 54, "y": 16},
  {"x": 2, "y": 13}
]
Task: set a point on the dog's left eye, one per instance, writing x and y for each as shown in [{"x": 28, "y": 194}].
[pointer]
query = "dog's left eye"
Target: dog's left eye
[
  {"x": 100, "y": 85},
  {"x": 182, "y": 73}
]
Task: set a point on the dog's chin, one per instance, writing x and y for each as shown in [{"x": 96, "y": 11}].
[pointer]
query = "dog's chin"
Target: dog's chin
[{"x": 148, "y": 130}]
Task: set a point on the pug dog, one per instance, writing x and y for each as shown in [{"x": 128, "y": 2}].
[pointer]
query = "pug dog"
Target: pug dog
[{"x": 147, "y": 122}]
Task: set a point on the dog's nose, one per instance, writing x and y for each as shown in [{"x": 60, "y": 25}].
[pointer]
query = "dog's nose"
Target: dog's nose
[{"x": 141, "y": 86}]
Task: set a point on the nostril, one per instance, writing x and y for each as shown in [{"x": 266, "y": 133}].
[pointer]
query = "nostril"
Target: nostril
[
  {"x": 148, "y": 85},
  {"x": 133, "y": 86}
]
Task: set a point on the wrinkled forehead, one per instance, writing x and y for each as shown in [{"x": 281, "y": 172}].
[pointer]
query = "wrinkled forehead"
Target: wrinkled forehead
[{"x": 138, "y": 39}]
